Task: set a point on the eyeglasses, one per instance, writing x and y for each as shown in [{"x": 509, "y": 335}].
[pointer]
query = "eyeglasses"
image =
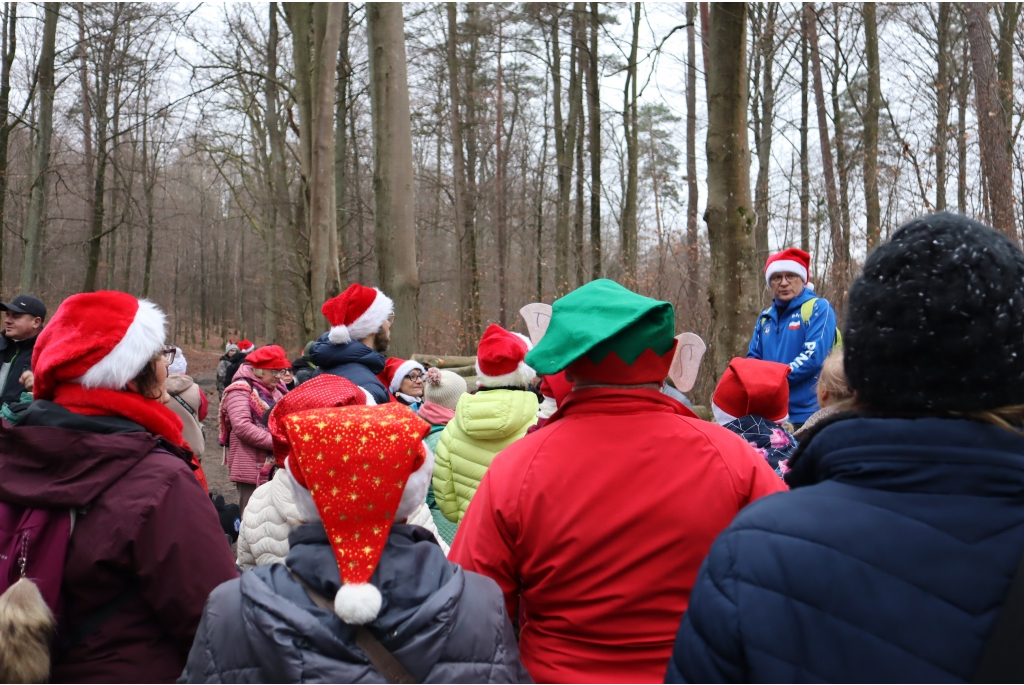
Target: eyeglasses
[
  {"x": 279, "y": 373},
  {"x": 169, "y": 352},
  {"x": 415, "y": 376},
  {"x": 391, "y": 317},
  {"x": 779, "y": 278}
]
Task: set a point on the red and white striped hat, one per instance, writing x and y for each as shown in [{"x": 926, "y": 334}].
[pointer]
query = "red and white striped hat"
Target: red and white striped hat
[
  {"x": 98, "y": 340},
  {"x": 792, "y": 260}
]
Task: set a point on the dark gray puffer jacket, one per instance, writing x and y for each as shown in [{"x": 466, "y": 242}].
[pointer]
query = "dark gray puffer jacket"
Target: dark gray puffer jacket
[{"x": 443, "y": 624}]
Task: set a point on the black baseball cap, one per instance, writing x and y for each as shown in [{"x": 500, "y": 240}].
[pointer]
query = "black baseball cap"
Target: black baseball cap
[{"x": 25, "y": 304}]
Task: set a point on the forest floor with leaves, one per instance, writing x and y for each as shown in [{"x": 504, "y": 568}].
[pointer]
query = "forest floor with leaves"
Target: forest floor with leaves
[{"x": 202, "y": 366}]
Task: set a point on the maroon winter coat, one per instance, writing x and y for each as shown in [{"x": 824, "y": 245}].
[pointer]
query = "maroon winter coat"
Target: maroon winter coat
[{"x": 142, "y": 514}]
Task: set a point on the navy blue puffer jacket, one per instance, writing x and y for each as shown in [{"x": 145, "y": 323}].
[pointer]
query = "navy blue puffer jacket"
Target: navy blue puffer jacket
[
  {"x": 354, "y": 361},
  {"x": 888, "y": 562}
]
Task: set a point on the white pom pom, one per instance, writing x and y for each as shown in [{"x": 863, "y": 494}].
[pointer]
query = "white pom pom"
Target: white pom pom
[
  {"x": 339, "y": 335},
  {"x": 357, "y": 603}
]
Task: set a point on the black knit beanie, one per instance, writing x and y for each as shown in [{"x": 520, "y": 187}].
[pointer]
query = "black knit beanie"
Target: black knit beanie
[{"x": 936, "y": 321}]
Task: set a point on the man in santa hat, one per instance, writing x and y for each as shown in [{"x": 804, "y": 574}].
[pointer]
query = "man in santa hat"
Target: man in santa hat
[
  {"x": 595, "y": 526},
  {"x": 360, "y": 333},
  {"x": 798, "y": 329}
]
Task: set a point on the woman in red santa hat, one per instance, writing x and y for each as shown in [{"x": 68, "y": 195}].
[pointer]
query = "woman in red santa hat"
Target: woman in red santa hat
[
  {"x": 244, "y": 411},
  {"x": 146, "y": 547}
]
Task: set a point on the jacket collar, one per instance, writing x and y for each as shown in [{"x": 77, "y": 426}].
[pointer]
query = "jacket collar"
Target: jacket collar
[
  {"x": 926, "y": 455},
  {"x": 773, "y": 311},
  {"x": 608, "y": 400},
  {"x": 27, "y": 343}
]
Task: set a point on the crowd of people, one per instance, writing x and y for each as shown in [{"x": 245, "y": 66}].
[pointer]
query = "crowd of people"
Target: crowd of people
[{"x": 853, "y": 511}]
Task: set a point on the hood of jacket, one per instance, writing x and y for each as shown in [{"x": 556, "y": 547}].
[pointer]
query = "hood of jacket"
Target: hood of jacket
[
  {"x": 496, "y": 414},
  {"x": 56, "y": 458},
  {"x": 327, "y": 355},
  {"x": 291, "y": 637},
  {"x": 926, "y": 455}
]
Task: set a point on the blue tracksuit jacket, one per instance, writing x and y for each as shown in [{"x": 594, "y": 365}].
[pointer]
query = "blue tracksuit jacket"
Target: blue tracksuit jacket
[{"x": 781, "y": 336}]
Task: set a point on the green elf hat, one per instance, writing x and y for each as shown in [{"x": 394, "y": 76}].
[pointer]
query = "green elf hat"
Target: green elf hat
[{"x": 605, "y": 333}]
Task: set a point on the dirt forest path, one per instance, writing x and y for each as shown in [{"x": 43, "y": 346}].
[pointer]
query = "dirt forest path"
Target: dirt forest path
[{"x": 202, "y": 366}]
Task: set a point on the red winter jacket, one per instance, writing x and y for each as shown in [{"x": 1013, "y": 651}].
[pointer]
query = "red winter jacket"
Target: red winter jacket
[
  {"x": 598, "y": 524},
  {"x": 142, "y": 516}
]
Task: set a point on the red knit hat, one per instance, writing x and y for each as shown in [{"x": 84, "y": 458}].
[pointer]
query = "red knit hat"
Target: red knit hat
[
  {"x": 98, "y": 340},
  {"x": 320, "y": 392},
  {"x": 395, "y": 371},
  {"x": 356, "y": 313},
  {"x": 355, "y": 463},
  {"x": 269, "y": 357},
  {"x": 752, "y": 386},
  {"x": 245, "y": 346},
  {"x": 793, "y": 260},
  {"x": 499, "y": 359}
]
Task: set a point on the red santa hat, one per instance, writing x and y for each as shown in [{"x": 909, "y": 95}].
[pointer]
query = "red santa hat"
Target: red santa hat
[
  {"x": 320, "y": 392},
  {"x": 500, "y": 359},
  {"x": 269, "y": 357},
  {"x": 245, "y": 346},
  {"x": 792, "y": 261},
  {"x": 356, "y": 313},
  {"x": 395, "y": 371},
  {"x": 752, "y": 386},
  {"x": 97, "y": 340},
  {"x": 356, "y": 466}
]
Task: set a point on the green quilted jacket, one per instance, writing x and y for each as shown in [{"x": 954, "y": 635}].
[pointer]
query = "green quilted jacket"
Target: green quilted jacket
[{"x": 484, "y": 424}]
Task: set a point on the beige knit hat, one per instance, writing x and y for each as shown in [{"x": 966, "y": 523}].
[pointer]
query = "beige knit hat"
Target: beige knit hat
[{"x": 444, "y": 387}]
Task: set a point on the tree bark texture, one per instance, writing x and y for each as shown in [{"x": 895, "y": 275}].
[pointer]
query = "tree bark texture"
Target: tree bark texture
[
  {"x": 631, "y": 127},
  {"x": 871, "y": 110},
  {"x": 805, "y": 174},
  {"x": 566, "y": 130},
  {"x": 341, "y": 210},
  {"x": 734, "y": 274},
  {"x": 764, "y": 123},
  {"x": 393, "y": 171},
  {"x": 10, "y": 43},
  {"x": 840, "y": 261},
  {"x": 993, "y": 133},
  {"x": 942, "y": 97},
  {"x": 692, "y": 196},
  {"x": 594, "y": 115},
  {"x": 41, "y": 155}
]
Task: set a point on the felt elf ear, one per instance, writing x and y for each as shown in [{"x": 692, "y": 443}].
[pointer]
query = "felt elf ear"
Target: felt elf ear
[
  {"x": 690, "y": 351},
  {"x": 537, "y": 316}
]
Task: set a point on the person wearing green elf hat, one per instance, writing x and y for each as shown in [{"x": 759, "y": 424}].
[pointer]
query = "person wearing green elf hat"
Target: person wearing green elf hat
[{"x": 595, "y": 526}]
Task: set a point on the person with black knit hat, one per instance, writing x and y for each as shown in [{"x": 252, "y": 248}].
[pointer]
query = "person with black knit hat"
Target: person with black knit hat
[{"x": 892, "y": 556}]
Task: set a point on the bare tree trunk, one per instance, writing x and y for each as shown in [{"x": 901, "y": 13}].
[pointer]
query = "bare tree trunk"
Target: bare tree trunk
[
  {"x": 631, "y": 127},
  {"x": 499, "y": 167},
  {"x": 296, "y": 248},
  {"x": 594, "y": 114},
  {"x": 540, "y": 201},
  {"x": 468, "y": 305},
  {"x": 41, "y": 154},
  {"x": 565, "y": 146},
  {"x": 149, "y": 167},
  {"x": 582, "y": 67},
  {"x": 839, "y": 123},
  {"x": 692, "y": 248},
  {"x": 805, "y": 174},
  {"x": 323, "y": 232},
  {"x": 733, "y": 288},
  {"x": 874, "y": 102},
  {"x": 102, "y": 92},
  {"x": 1008, "y": 19},
  {"x": 963, "y": 92},
  {"x": 341, "y": 145},
  {"x": 942, "y": 94},
  {"x": 993, "y": 133},
  {"x": 763, "y": 127},
  {"x": 840, "y": 263},
  {"x": 9, "y": 48},
  {"x": 393, "y": 171}
]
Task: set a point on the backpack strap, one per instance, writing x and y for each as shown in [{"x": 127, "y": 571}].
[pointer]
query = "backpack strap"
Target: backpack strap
[
  {"x": 807, "y": 309},
  {"x": 383, "y": 660},
  {"x": 1002, "y": 660}
]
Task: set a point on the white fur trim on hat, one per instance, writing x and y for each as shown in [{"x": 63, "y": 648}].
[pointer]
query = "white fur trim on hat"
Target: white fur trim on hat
[
  {"x": 404, "y": 370},
  {"x": 721, "y": 416},
  {"x": 357, "y": 603},
  {"x": 143, "y": 339},
  {"x": 785, "y": 266},
  {"x": 416, "y": 485},
  {"x": 368, "y": 323},
  {"x": 548, "y": 407}
]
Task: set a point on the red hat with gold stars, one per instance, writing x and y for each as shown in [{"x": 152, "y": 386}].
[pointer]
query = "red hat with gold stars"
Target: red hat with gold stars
[{"x": 355, "y": 462}]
